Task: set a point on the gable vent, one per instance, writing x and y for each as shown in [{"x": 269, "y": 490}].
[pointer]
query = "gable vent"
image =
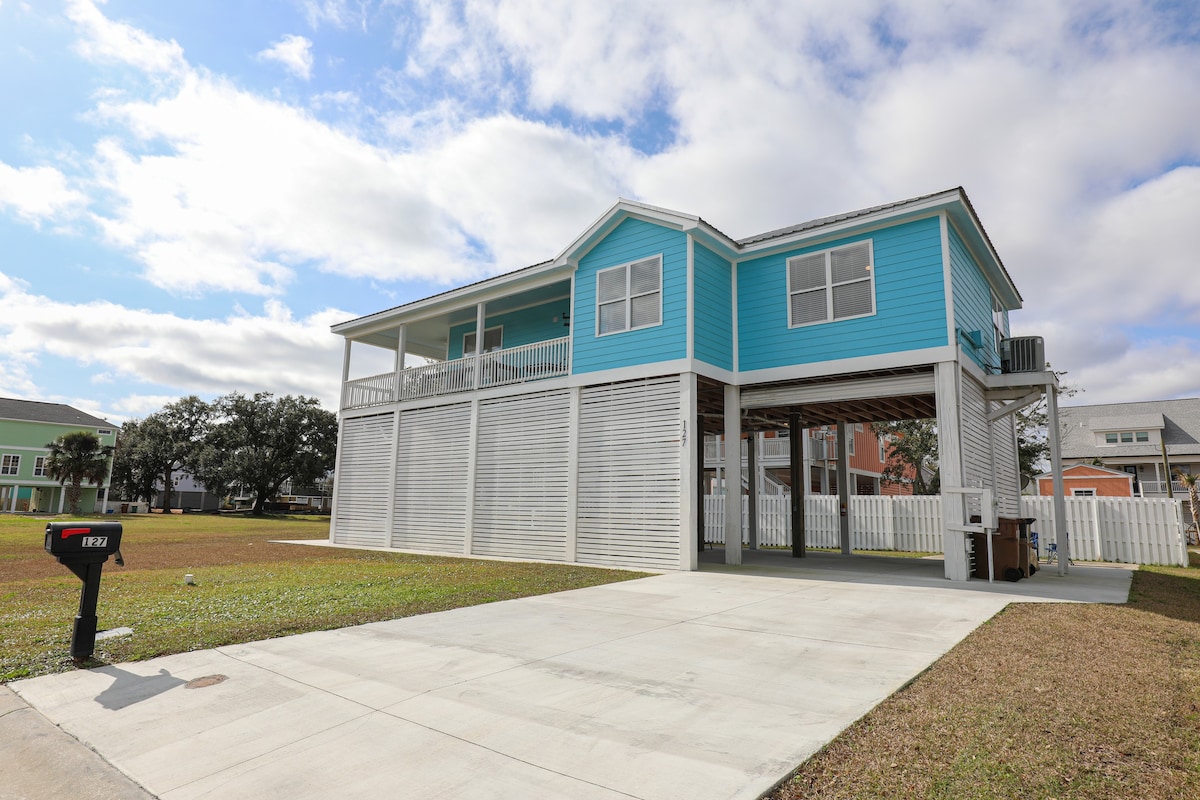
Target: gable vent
[{"x": 1023, "y": 354}]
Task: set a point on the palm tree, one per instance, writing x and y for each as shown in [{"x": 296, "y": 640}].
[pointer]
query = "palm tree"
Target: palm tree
[
  {"x": 1189, "y": 480},
  {"x": 77, "y": 457}
]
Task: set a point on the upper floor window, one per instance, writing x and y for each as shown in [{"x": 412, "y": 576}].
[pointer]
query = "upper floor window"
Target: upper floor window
[
  {"x": 629, "y": 297},
  {"x": 104, "y": 431},
  {"x": 39, "y": 467},
  {"x": 10, "y": 465},
  {"x": 831, "y": 285},
  {"x": 493, "y": 339},
  {"x": 1127, "y": 437}
]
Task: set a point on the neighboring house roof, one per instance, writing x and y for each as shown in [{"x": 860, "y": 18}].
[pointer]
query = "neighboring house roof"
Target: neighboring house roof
[
  {"x": 53, "y": 413},
  {"x": 1178, "y": 421},
  {"x": 1088, "y": 471}
]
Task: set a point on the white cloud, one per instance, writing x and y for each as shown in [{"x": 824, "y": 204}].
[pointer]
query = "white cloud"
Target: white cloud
[
  {"x": 294, "y": 53},
  {"x": 271, "y": 351},
  {"x": 37, "y": 194},
  {"x": 106, "y": 40}
]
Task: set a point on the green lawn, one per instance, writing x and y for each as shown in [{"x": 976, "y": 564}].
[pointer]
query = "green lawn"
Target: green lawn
[
  {"x": 1064, "y": 701},
  {"x": 246, "y": 587}
]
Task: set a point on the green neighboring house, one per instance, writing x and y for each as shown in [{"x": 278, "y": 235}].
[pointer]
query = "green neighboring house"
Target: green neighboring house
[{"x": 26, "y": 427}]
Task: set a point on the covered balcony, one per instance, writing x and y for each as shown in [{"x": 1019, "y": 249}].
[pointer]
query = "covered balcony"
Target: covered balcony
[{"x": 526, "y": 338}]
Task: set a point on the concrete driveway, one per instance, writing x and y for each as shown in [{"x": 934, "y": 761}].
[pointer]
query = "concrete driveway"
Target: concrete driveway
[{"x": 711, "y": 684}]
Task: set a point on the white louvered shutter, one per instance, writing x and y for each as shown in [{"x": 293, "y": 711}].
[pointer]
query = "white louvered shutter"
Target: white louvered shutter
[
  {"x": 431, "y": 479},
  {"x": 361, "y": 487}
]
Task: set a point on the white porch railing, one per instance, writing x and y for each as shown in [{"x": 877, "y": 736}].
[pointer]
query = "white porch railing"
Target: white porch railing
[
  {"x": 774, "y": 448},
  {"x": 1129, "y": 530},
  {"x": 548, "y": 359}
]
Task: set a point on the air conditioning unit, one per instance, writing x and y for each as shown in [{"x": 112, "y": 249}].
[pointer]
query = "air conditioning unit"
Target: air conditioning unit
[{"x": 1023, "y": 354}]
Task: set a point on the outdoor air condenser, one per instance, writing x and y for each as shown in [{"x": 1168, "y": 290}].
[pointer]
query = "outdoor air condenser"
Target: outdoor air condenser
[{"x": 1023, "y": 354}]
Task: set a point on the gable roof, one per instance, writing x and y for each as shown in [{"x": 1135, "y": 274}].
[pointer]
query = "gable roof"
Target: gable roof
[
  {"x": 53, "y": 413},
  {"x": 1178, "y": 421},
  {"x": 1111, "y": 473},
  {"x": 953, "y": 201}
]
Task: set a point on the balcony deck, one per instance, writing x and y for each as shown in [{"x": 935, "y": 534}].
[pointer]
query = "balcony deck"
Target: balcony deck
[{"x": 531, "y": 362}]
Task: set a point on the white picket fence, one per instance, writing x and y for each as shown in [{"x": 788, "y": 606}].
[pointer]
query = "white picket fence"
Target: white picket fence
[{"x": 1129, "y": 530}]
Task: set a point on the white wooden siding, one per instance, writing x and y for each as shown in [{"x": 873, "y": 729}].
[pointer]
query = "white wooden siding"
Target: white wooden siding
[
  {"x": 361, "y": 486},
  {"x": 976, "y": 447},
  {"x": 1008, "y": 480},
  {"x": 431, "y": 479},
  {"x": 628, "y": 506},
  {"x": 521, "y": 477}
]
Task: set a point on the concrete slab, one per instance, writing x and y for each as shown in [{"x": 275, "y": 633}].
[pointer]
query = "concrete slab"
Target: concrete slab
[{"x": 710, "y": 684}]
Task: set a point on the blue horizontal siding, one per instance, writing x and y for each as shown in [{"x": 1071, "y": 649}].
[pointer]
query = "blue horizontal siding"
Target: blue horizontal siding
[
  {"x": 910, "y": 303},
  {"x": 712, "y": 293},
  {"x": 631, "y": 240},
  {"x": 972, "y": 303},
  {"x": 526, "y": 326}
]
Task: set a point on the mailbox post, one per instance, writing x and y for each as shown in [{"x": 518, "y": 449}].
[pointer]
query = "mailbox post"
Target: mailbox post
[{"x": 83, "y": 547}]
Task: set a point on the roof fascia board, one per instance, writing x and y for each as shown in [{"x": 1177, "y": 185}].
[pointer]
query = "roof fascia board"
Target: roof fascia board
[
  {"x": 418, "y": 310},
  {"x": 868, "y": 222},
  {"x": 626, "y": 209},
  {"x": 996, "y": 275}
]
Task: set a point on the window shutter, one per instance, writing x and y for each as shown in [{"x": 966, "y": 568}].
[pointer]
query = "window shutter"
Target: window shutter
[
  {"x": 644, "y": 276},
  {"x": 612, "y": 317},
  {"x": 610, "y": 285},
  {"x": 852, "y": 299},
  {"x": 808, "y": 307},
  {"x": 850, "y": 263},
  {"x": 807, "y": 272},
  {"x": 644, "y": 310}
]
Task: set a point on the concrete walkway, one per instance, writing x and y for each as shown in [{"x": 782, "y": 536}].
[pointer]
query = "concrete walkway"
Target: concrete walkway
[{"x": 711, "y": 684}]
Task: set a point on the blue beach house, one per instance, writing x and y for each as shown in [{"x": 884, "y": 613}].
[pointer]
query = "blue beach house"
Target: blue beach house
[{"x": 558, "y": 412}]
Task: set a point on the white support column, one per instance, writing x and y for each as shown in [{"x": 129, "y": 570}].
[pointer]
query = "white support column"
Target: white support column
[
  {"x": 345, "y": 372},
  {"x": 480, "y": 331},
  {"x": 389, "y": 520},
  {"x": 733, "y": 470},
  {"x": 472, "y": 460},
  {"x": 844, "y": 431},
  {"x": 1060, "y": 505},
  {"x": 805, "y": 459},
  {"x": 572, "y": 543},
  {"x": 401, "y": 344},
  {"x": 752, "y": 487},
  {"x": 337, "y": 477},
  {"x": 950, "y": 468},
  {"x": 689, "y": 468}
]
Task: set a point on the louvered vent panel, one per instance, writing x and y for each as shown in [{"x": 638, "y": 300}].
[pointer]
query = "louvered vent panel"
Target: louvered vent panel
[
  {"x": 628, "y": 505},
  {"x": 431, "y": 479},
  {"x": 361, "y": 485},
  {"x": 521, "y": 477}
]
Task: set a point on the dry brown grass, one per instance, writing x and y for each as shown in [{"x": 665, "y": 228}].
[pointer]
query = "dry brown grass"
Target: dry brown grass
[{"x": 1044, "y": 701}]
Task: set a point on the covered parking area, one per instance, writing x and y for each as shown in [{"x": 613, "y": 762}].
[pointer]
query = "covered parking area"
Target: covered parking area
[{"x": 977, "y": 453}]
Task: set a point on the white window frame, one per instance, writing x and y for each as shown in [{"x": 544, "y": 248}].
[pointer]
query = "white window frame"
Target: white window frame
[
  {"x": 849, "y": 440},
  {"x": 1084, "y": 492},
  {"x": 39, "y": 467},
  {"x": 883, "y": 450},
  {"x": 486, "y": 331},
  {"x": 10, "y": 464},
  {"x": 629, "y": 296},
  {"x": 830, "y": 284}
]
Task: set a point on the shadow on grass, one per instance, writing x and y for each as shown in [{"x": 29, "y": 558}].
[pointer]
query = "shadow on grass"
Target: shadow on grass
[{"x": 1174, "y": 593}]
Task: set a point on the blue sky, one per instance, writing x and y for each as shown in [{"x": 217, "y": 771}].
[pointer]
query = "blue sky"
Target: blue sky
[{"x": 192, "y": 192}]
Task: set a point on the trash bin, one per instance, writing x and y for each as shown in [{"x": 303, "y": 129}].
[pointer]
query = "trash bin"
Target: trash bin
[{"x": 1010, "y": 551}]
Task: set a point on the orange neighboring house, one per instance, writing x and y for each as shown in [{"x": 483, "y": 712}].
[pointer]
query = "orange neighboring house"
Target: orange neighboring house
[{"x": 1087, "y": 480}]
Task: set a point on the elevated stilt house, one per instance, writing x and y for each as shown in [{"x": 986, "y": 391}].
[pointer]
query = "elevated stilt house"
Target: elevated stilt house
[{"x": 559, "y": 411}]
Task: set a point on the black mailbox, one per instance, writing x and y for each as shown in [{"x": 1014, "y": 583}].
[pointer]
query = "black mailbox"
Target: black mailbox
[
  {"x": 83, "y": 542},
  {"x": 83, "y": 547}
]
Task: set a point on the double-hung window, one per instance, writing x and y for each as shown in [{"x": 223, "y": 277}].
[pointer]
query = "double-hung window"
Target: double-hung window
[
  {"x": 39, "y": 467},
  {"x": 831, "y": 285},
  {"x": 10, "y": 465},
  {"x": 629, "y": 297}
]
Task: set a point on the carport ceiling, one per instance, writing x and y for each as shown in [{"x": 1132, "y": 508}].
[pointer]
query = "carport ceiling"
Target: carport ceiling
[{"x": 879, "y": 396}]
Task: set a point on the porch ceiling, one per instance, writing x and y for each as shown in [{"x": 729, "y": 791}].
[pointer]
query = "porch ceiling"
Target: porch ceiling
[{"x": 830, "y": 409}]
